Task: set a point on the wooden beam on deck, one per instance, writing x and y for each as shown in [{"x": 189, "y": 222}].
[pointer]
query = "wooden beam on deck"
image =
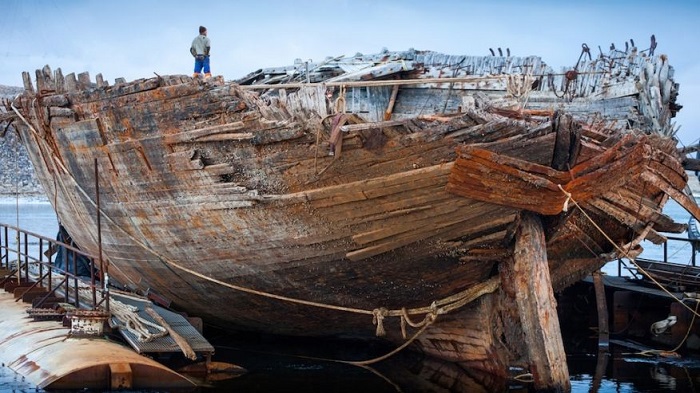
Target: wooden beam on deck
[{"x": 528, "y": 273}]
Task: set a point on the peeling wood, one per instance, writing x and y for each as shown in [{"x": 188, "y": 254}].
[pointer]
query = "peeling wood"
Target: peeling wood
[{"x": 442, "y": 156}]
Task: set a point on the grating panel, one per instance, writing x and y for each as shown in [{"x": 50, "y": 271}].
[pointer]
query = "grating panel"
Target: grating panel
[{"x": 164, "y": 344}]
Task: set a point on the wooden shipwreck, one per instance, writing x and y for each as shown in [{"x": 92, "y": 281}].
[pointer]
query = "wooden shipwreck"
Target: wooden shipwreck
[{"x": 433, "y": 199}]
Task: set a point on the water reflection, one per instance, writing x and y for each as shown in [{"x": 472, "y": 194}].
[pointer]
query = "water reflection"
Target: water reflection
[
  {"x": 309, "y": 365},
  {"x": 615, "y": 369}
]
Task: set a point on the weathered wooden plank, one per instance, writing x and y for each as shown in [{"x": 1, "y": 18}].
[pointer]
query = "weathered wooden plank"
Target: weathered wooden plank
[
  {"x": 371, "y": 125},
  {"x": 27, "y": 81},
  {"x": 377, "y": 183},
  {"x": 184, "y": 160},
  {"x": 684, "y": 200},
  {"x": 193, "y": 135},
  {"x": 526, "y": 278}
]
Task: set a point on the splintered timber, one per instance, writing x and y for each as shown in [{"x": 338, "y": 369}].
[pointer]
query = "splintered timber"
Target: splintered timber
[{"x": 418, "y": 196}]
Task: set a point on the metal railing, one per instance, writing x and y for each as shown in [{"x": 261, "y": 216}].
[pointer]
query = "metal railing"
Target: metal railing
[
  {"x": 44, "y": 266},
  {"x": 694, "y": 248},
  {"x": 694, "y": 244}
]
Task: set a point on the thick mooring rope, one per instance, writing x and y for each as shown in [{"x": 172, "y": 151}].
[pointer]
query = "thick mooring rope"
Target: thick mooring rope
[
  {"x": 625, "y": 253},
  {"x": 436, "y": 308},
  {"x": 134, "y": 323}
]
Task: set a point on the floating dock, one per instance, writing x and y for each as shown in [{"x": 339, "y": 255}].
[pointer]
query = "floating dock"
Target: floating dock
[{"x": 46, "y": 354}]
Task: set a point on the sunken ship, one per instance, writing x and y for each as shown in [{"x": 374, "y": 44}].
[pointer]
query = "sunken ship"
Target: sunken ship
[{"x": 435, "y": 200}]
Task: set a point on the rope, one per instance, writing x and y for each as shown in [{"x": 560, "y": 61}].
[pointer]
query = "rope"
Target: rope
[
  {"x": 526, "y": 377},
  {"x": 429, "y": 320},
  {"x": 690, "y": 326},
  {"x": 442, "y": 306},
  {"x": 139, "y": 327},
  {"x": 625, "y": 253},
  {"x": 134, "y": 323},
  {"x": 128, "y": 317},
  {"x": 57, "y": 161}
]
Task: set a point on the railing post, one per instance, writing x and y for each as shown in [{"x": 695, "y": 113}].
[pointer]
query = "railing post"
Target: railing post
[
  {"x": 19, "y": 256},
  {"x": 65, "y": 266},
  {"x": 7, "y": 248},
  {"x": 619, "y": 267},
  {"x": 666, "y": 251},
  {"x": 92, "y": 283},
  {"x": 41, "y": 260},
  {"x": 26, "y": 256},
  {"x": 75, "y": 278},
  {"x": 2, "y": 253},
  {"x": 49, "y": 266}
]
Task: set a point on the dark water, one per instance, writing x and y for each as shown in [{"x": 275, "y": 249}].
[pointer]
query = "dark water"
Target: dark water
[{"x": 275, "y": 364}]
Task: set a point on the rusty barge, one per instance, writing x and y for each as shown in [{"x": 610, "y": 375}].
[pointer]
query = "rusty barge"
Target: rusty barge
[{"x": 433, "y": 199}]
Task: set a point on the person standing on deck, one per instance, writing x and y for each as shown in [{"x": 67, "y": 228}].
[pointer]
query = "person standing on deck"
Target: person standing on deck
[{"x": 200, "y": 50}]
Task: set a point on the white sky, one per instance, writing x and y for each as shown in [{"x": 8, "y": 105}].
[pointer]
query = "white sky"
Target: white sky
[{"x": 135, "y": 38}]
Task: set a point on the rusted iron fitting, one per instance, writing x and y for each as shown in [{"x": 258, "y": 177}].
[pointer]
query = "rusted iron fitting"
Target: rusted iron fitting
[
  {"x": 571, "y": 75},
  {"x": 87, "y": 323}
]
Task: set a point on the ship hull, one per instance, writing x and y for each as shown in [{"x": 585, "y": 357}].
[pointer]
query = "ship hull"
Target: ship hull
[{"x": 320, "y": 211}]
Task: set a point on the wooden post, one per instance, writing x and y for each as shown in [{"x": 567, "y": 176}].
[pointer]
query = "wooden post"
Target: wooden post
[
  {"x": 121, "y": 376},
  {"x": 602, "y": 308},
  {"x": 392, "y": 101},
  {"x": 528, "y": 272}
]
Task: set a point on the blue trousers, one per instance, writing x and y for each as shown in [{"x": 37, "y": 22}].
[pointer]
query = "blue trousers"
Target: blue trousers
[{"x": 201, "y": 64}]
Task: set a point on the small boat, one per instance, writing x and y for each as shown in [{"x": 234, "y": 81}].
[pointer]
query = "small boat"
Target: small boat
[{"x": 435, "y": 200}]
